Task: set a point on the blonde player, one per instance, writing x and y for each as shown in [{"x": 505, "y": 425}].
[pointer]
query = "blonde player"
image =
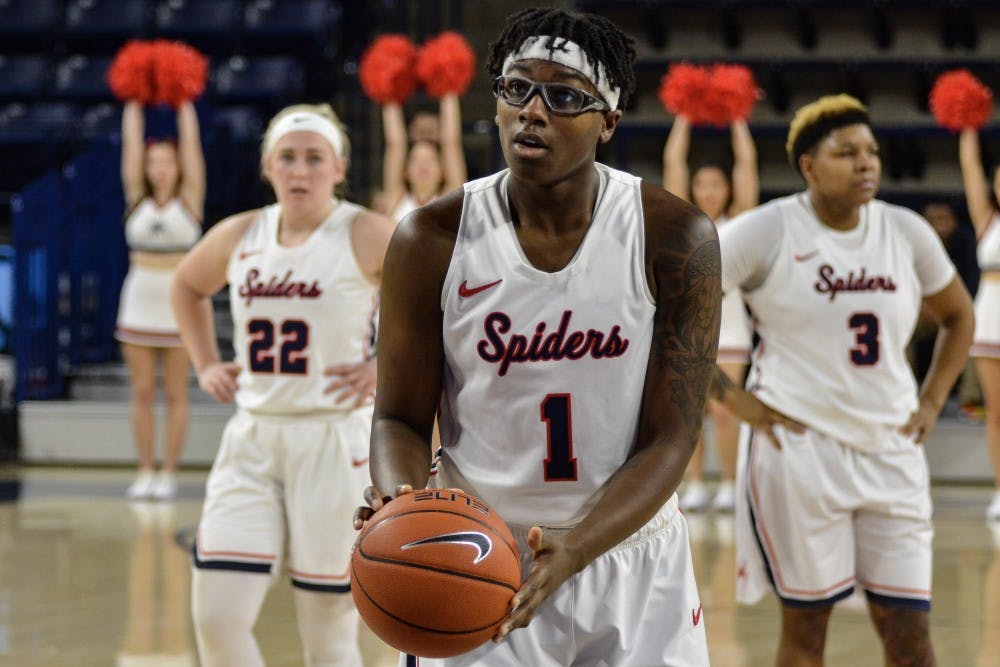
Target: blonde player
[
  {"x": 565, "y": 316},
  {"x": 164, "y": 185},
  {"x": 303, "y": 275},
  {"x": 721, "y": 197},
  {"x": 986, "y": 345},
  {"x": 836, "y": 279}
]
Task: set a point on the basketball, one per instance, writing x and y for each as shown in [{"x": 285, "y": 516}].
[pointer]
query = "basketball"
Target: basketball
[{"x": 433, "y": 572}]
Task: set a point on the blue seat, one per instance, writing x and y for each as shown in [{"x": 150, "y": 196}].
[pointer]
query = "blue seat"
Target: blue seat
[
  {"x": 123, "y": 19},
  {"x": 242, "y": 79},
  {"x": 99, "y": 121},
  {"x": 279, "y": 25},
  {"x": 23, "y": 77},
  {"x": 29, "y": 26},
  {"x": 238, "y": 124},
  {"x": 80, "y": 77},
  {"x": 38, "y": 122},
  {"x": 211, "y": 27}
]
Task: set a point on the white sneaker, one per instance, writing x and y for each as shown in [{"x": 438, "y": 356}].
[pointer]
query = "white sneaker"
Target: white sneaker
[
  {"x": 695, "y": 498},
  {"x": 725, "y": 497},
  {"x": 142, "y": 487},
  {"x": 993, "y": 511},
  {"x": 165, "y": 487}
]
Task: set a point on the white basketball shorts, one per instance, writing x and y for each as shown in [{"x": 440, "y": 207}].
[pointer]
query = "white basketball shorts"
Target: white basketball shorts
[
  {"x": 824, "y": 517},
  {"x": 636, "y": 605},
  {"x": 300, "y": 477}
]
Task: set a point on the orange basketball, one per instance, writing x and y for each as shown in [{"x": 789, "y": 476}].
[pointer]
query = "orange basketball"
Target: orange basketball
[{"x": 433, "y": 572}]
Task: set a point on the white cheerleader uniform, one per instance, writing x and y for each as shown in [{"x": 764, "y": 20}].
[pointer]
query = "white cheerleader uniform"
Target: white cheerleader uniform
[
  {"x": 293, "y": 462},
  {"x": 145, "y": 316},
  {"x": 986, "y": 341}
]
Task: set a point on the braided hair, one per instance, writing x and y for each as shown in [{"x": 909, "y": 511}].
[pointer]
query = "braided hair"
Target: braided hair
[{"x": 607, "y": 47}]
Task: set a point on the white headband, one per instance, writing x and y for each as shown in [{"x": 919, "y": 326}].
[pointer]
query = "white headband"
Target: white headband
[
  {"x": 305, "y": 121},
  {"x": 568, "y": 54}
]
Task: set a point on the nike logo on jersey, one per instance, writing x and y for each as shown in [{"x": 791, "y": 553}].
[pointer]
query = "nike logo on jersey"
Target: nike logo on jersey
[
  {"x": 696, "y": 615},
  {"x": 480, "y": 542},
  {"x": 464, "y": 290},
  {"x": 249, "y": 253},
  {"x": 357, "y": 463},
  {"x": 805, "y": 256}
]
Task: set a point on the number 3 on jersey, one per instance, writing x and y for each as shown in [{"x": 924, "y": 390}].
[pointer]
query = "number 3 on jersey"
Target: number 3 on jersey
[
  {"x": 866, "y": 344},
  {"x": 291, "y": 359},
  {"x": 560, "y": 466}
]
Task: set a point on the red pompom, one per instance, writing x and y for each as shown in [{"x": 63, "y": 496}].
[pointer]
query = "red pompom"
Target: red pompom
[
  {"x": 732, "y": 94},
  {"x": 387, "y": 69},
  {"x": 180, "y": 72},
  {"x": 959, "y": 100},
  {"x": 130, "y": 76},
  {"x": 712, "y": 94},
  {"x": 683, "y": 89},
  {"x": 446, "y": 64}
]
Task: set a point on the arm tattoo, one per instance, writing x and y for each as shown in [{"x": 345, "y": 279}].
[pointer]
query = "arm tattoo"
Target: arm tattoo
[{"x": 686, "y": 329}]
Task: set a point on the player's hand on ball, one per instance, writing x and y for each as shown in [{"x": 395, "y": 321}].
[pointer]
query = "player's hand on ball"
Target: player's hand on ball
[
  {"x": 553, "y": 564},
  {"x": 219, "y": 380},
  {"x": 354, "y": 381},
  {"x": 750, "y": 409},
  {"x": 376, "y": 500}
]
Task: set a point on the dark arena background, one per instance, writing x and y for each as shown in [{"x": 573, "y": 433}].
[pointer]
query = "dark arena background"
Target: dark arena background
[{"x": 91, "y": 578}]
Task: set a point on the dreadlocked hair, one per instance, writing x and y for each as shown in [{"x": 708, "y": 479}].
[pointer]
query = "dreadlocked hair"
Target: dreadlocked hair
[
  {"x": 817, "y": 119},
  {"x": 604, "y": 43}
]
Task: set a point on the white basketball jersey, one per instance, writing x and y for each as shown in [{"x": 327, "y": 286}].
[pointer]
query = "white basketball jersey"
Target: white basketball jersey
[
  {"x": 544, "y": 371},
  {"x": 835, "y": 312},
  {"x": 297, "y": 310},
  {"x": 167, "y": 228}
]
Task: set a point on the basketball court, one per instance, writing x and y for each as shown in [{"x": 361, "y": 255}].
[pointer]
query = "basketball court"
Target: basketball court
[{"x": 89, "y": 579}]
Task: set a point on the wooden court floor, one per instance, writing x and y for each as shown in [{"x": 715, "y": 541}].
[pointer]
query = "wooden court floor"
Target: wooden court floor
[{"x": 90, "y": 579}]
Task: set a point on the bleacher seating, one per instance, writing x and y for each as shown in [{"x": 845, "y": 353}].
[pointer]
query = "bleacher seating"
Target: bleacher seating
[
  {"x": 23, "y": 77},
  {"x": 211, "y": 27},
  {"x": 29, "y": 25}
]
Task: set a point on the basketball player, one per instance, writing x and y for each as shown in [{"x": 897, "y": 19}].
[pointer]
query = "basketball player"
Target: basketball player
[
  {"x": 164, "y": 186},
  {"x": 986, "y": 346},
  {"x": 566, "y": 317},
  {"x": 303, "y": 275},
  {"x": 836, "y": 279},
  {"x": 721, "y": 197}
]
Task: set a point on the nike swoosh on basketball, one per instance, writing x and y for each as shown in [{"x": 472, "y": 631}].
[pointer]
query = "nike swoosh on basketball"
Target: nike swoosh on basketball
[
  {"x": 481, "y": 542},
  {"x": 357, "y": 463},
  {"x": 696, "y": 615},
  {"x": 803, "y": 257},
  {"x": 249, "y": 253},
  {"x": 464, "y": 290}
]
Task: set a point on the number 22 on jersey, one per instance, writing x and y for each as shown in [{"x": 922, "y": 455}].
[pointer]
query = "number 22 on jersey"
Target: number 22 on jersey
[{"x": 286, "y": 355}]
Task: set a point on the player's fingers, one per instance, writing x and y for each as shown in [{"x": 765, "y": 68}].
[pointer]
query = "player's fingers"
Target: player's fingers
[
  {"x": 375, "y": 498},
  {"x": 403, "y": 489},
  {"x": 336, "y": 385},
  {"x": 338, "y": 369},
  {"x": 231, "y": 368},
  {"x": 535, "y": 539},
  {"x": 361, "y": 515}
]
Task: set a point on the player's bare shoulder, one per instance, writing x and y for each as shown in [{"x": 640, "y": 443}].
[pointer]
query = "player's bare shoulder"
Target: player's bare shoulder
[
  {"x": 428, "y": 234},
  {"x": 681, "y": 241}
]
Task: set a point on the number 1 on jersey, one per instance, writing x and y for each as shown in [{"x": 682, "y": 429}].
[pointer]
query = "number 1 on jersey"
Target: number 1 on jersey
[{"x": 560, "y": 466}]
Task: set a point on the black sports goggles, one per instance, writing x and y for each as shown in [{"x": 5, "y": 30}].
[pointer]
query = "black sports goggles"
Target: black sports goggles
[{"x": 559, "y": 98}]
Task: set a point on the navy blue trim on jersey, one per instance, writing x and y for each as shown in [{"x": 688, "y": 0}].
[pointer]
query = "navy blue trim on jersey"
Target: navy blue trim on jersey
[
  {"x": 817, "y": 604},
  {"x": 231, "y": 565},
  {"x": 411, "y": 660},
  {"x": 322, "y": 588},
  {"x": 899, "y": 603}
]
